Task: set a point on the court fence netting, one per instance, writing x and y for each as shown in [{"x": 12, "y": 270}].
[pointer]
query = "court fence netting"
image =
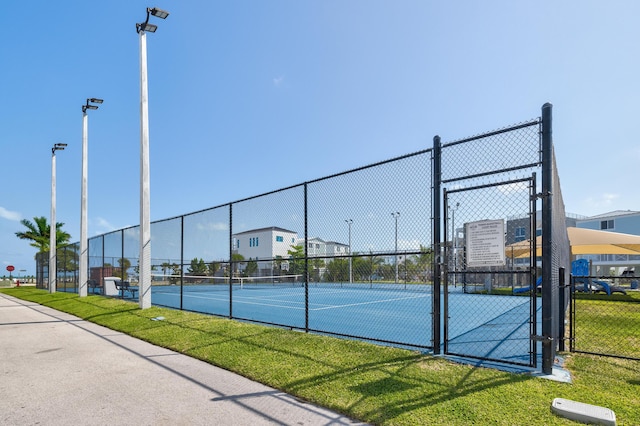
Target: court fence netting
[{"x": 386, "y": 253}]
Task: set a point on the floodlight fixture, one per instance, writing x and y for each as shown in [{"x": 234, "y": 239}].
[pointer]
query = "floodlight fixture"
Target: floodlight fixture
[
  {"x": 159, "y": 13},
  {"x": 89, "y": 105},
  {"x": 146, "y": 26},
  {"x": 58, "y": 147}
]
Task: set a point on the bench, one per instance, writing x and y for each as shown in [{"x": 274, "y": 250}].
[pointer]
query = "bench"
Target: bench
[
  {"x": 95, "y": 286},
  {"x": 123, "y": 286}
]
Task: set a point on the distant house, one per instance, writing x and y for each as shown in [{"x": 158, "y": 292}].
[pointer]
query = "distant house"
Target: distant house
[
  {"x": 624, "y": 221},
  {"x": 264, "y": 243},
  {"x": 267, "y": 245}
]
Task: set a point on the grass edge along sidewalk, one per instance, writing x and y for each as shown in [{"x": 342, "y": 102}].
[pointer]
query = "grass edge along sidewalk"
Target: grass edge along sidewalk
[{"x": 374, "y": 384}]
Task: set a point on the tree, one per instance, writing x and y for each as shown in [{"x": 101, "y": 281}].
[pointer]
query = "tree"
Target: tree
[
  {"x": 237, "y": 260},
  {"x": 337, "y": 271},
  {"x": 197, "y": 268},
  {"x": 296, "y": 264},
  {"x": 67, "y": 258},
  {"x": 424, "y": 263},
  {"x": 251, "y": 269},
  {"x": 213, "y": 268},
  {"x": 165, "y": 266},
  {"x": 176, "y": 273},
  {"x": 277, "y": 265},
  {"x": 315, "y": 264},
  {"x": 124, "y": 264},
  {"x": 39, "y": 232}
]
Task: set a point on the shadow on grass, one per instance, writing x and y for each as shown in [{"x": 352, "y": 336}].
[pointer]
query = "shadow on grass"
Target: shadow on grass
[{"x": 358, "y": 379}]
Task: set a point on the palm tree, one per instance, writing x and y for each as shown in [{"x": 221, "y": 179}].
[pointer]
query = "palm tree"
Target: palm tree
[{"x": 38, "y": 233}]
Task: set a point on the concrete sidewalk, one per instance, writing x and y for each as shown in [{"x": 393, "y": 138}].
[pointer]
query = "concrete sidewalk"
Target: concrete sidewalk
[{"x": 56, "y": 369}]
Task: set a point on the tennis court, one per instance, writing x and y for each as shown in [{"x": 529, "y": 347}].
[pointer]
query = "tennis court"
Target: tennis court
[{"x": 495, "y": 326}]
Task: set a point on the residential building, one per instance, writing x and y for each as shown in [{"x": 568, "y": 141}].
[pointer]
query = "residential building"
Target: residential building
[
  {"x": 622, "y": 221},
  {"x": 264, "y": 243}
]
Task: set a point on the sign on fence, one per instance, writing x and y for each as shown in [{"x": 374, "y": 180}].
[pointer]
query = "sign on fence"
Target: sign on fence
[{"x": 485, "y": 243}]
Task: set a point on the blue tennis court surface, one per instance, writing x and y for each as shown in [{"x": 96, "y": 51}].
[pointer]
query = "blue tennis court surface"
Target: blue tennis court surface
[{"x": 490, "y": 326}]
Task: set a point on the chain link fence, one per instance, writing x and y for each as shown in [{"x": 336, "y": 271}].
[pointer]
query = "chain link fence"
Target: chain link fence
[
  {"x": 605, "y": 317},
  {"x": 490, "y": 304},
  {"x": 370, "y": 254}
]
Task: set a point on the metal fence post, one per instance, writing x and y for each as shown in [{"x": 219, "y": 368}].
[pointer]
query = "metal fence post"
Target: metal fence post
[
  {"x": 548, "y": 295},
  {"x": 306, "y": 260},
  {"x": 230, "y": 260},
  {"x": 437, "y": 179},
  {"x": 181, "y": 261}
]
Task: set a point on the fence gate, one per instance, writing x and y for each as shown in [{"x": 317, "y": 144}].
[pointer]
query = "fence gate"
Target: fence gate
[{"x": 489, "y": 297}]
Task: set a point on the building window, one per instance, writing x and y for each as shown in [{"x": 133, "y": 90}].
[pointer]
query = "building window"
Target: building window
[
  {"x": 257, "y": 242},
  {"x": 293, "y": 240},
  {"x": 279, "y": 239},
  {"x": 521, "y": 233},
  {"x": 606, "y": 224}
]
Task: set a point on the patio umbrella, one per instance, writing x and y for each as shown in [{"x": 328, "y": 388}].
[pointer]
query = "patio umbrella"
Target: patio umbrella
[{"x": 584, "y": 241}]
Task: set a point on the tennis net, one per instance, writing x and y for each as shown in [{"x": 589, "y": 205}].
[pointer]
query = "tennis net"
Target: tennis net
[{"x": 210, "y": 283}]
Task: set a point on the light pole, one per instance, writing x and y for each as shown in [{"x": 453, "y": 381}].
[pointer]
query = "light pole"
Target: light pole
[
  {"x": 144, "y": 261},
  {"x": 349, "y": 222},
  {"x": 53, "y": 229},
  {"x": 395, "y": 216},
  {"x": 454, "y": 241},
  {"x": 84, "y": 264}
]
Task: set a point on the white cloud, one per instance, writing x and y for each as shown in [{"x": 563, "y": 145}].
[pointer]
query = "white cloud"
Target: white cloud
[
  {"x": 9, "y": 215},
  {"x": 278, "y": 81},
  {"x": 512, "y": 188},
  {"x": 213, "y": 226},
  {"x": 103, "y": 226},
  {"x": 604, "y": 200}
]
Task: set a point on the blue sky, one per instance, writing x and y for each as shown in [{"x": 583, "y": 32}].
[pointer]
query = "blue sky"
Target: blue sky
[{"x": 249, "y": 96}]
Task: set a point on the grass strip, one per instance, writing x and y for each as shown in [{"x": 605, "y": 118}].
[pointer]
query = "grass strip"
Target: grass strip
[{"x": 371, "y": 383}]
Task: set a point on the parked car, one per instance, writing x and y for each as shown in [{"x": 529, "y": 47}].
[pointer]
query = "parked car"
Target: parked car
[{"x": 628, "y": 273}]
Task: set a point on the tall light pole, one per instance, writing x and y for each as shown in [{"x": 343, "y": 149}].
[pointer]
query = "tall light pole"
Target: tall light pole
[
  {"x": 454, "y": 241},
  {"x": 349, "y": 222},
  {"x": 84, "y": 264},
  {"x": 52, "y": 226},
  {"x": 144, "y": 261},
  {"x": 395, "y": 216}
]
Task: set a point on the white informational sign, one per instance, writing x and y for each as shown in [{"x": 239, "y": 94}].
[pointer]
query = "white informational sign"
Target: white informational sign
[{"x": 485, "y": 243}]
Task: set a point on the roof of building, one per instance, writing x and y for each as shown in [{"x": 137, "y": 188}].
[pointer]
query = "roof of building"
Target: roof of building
[
  {"x": 269, "y": 228},
  {"x": 337, "y": 243},
  {"x": 616, "y": 213}
]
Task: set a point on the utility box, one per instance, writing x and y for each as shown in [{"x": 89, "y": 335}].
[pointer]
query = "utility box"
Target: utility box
[{"x": 110, "y": 288}]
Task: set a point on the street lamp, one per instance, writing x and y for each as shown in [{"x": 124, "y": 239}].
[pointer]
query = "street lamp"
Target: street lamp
[
  {"x": 52, "y": 227},
  {"x": 84, "y": 264},
  {"x": 454, "y": 241},
  {"x": 395, "y": 216},
  {"x": 144, "y": 261},
  {"x": 349, "y": 222}
]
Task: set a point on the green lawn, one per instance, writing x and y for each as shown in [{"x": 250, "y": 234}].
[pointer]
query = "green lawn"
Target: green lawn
[{"x": 374, "y": 384}]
